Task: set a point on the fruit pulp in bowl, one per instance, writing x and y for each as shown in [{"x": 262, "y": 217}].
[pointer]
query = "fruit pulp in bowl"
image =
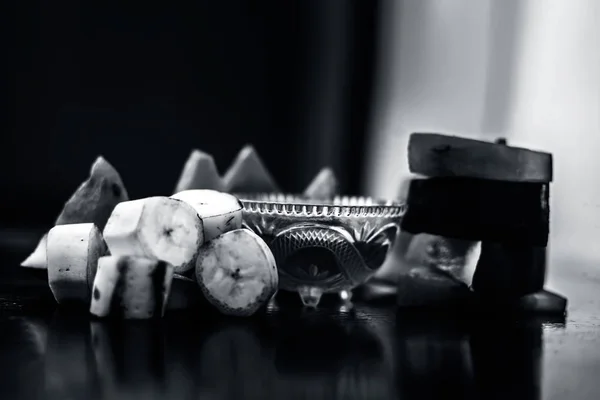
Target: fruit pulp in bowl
[{"x": 323, "y": 246}]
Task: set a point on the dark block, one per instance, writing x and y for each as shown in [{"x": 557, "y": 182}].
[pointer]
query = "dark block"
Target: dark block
[
  {"x": 477, "y": 209},
  {"x": 438, "y": 155},
  {"x": 508, "y": 271},
  {"x": 543, "y": 302}
]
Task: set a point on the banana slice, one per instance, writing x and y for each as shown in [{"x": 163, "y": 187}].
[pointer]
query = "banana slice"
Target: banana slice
[
  {"x": 131, "y": 287},
  {"x": 93, "y": 201},
  {"x": 248, "y": 174},
  {"x": 237, "y": 272},
  {"x": 73, "y": 251},
  {"x": 199, "y": 172},
  {"x": 219, "y": 212},
  {"x": 156, "y": 227},
  {"x": 323, "y": 187}
]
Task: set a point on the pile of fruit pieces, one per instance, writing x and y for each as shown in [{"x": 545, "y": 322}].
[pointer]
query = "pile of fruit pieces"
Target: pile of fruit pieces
[{"x": 136, "y": 259}]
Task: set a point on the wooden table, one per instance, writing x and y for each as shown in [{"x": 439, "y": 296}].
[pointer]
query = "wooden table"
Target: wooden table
[{"x": 370, "y": 352}]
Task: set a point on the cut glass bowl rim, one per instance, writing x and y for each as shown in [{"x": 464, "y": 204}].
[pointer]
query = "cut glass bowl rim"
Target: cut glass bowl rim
[{"x": 296, "y": 205}]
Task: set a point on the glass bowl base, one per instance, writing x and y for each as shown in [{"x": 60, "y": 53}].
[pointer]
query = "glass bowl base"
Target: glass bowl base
[{"x": 311, "y": 296}]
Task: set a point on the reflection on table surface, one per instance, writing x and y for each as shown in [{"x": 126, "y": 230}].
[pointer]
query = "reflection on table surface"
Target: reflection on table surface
[
  {"x": 287, "y": 353},
  {"x": 371, "y": 352}
]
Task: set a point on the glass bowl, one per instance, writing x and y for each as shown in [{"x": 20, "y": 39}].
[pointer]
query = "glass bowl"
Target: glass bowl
[{"x": 323, "y": 247}]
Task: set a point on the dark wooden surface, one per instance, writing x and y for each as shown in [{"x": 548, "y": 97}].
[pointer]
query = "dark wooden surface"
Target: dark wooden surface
[{"x": 371, "y": 352}]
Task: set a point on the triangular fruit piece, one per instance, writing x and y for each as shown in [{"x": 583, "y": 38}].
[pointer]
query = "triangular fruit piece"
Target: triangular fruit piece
[
  {"x": 95, "y": 198},
  {"x": 425, "y": 286},
  {"x": 199, "y": 172},
  {"x": 92, "y": 202},
  {"x": 37, "y": 259},
  {"x": 323, "y": 187},
  {"x": 248, "y": 174}
]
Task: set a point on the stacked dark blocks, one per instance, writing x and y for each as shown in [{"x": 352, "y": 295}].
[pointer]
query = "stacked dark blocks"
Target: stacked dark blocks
[{"x": 493, "y": 193}]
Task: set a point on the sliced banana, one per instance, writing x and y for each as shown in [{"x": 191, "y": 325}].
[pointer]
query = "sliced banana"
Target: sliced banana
[
  {"x": 93, "y": 201},
  {"x": 131, "y": 287},
  {"x": 219, "y": 212},
  {"x": 73, "y": 251},
  {"x": 199, "y": 172},
  {"x": 248, "y": 174},
  {"x": 323, "y": 187},
  {"x": 156, "y": 227},
  {"x": 237, "y": 272}
]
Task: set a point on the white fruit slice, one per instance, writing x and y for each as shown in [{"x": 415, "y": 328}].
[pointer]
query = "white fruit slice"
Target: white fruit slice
[
  {"x": 156, "y": 227},
  {"x": 219, "y": 212},
  {"x": 131, "y": 287},
  {"x": 237, "y": 272},
  {"x": 73, "y": 251},
  {"x": 37, "y": 259},
  {"x": 185, "y": 293},
  {"x": 323, "y": 187},
  {"x": 248, "y": 174},
  {"x": 92, "y": 202},
  {"x": 199, "y": 172}
]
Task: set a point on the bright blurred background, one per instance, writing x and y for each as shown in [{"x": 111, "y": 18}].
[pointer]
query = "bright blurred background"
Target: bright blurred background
[
  {"x": 527, "y": 70},
  {"x": 309, "y": 83}
]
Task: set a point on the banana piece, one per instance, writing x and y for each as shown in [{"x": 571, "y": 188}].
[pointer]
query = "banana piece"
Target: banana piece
[
  {"x": 93, "y": 201},
  {"x": 73, "y": 251},
  {"x": 248, "y": 174},
  {"x": 323, "y": 187},
  {"x": 156, "y": 227},
  {"x": 199, "y": 172},
  {"x": 219, "y": 212},
  {"x": 237, "y": 272},
  {"x": 131, "y": 287}
]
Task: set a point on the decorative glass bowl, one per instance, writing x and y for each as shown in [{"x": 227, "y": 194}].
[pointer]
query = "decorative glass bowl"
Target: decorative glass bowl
[{"x": 323, "y": 247}]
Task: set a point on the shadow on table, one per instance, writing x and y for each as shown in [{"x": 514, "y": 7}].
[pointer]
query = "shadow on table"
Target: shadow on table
[
  {"x": 451, "y": 358},
  {"x": 281, "y": 356}
]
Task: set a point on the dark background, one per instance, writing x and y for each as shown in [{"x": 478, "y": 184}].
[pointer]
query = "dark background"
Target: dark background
[{"x": 143, "y": 83}]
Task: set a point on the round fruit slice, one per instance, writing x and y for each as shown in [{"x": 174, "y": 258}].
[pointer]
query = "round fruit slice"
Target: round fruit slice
[
  {"x": 73, "y": 251},
  {"x": 237, "y": 272},
  {"x": 156, "y": 227},
  {"x": 131, "y": 287},
  {"x": 219, "y": 212}
]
